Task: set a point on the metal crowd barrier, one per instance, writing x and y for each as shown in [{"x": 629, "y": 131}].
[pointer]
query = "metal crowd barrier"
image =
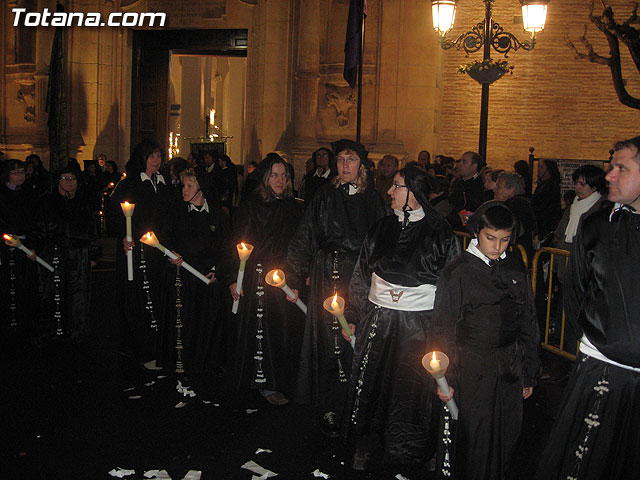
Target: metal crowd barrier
[{"x": 558, "y": 348}]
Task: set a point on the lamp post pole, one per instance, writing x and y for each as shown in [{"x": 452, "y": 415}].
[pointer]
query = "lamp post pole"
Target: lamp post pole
[{"x": 484, "y": 102}]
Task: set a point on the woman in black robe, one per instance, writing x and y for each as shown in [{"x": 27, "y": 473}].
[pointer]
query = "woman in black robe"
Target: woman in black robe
[
  {"x": 485, "y": 321},
  {"x": 18, "y": 274},
  {"x": 391, "y": 298},
  {"x": 199, "y": 234},
  {"x": 139, "y": 301},
  {"x": 323, "y": 252},
  {"x": 270, "y": 328}
]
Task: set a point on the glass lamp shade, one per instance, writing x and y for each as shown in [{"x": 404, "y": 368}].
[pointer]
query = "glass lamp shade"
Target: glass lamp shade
[
  {"x": 443, "y": 13},
  {"x": 534, "y": 15}
]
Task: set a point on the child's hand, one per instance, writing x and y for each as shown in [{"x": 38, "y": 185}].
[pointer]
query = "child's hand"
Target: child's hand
[
  {"x": 526, "y": 392},
  {"x": 442, "y": 397}
]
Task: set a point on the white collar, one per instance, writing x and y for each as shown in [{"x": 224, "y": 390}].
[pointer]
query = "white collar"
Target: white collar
[
  {"x": 475, "y": 251},
  {"x": 210, "y": 168},
  {"x": 203, "y": 208},
  {"x": 352, "y": 190},
  {"x": 620, "y": 206},
  {"x": 324, "y": 175},
  {"x": 159, "y": 178},
  {"x": 414, "y": 215}
]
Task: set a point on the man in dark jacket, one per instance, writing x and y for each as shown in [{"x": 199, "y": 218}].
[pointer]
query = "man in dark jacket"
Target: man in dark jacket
[{"x": 468, "y": 190}]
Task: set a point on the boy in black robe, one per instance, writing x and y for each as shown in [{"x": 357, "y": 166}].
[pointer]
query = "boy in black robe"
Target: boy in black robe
[{"x": 485, "y": 321}]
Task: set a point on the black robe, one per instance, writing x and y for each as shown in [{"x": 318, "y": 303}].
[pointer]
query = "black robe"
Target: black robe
[
  {"x": 203, "y": 240},
  {"x": 325, "y": 249},
  {"x": 141, "y": 298},
  {"x": 390, "y": 394},
  {"x": 484, "y": 319},
  {"x": 465, "y": 195},
  {"x": 595, "y": 435},
  {"x": 18, "y": 274},
  {"x": 269, "y": 327},
  {"x": 547, "y": 207},
  {"x": 68, "y": 244}
]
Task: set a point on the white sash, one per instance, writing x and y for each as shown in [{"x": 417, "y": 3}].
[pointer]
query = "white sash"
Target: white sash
[{"x": 399, "y": 297}]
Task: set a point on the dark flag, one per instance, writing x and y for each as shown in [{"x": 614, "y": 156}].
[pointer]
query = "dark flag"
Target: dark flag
[
  {"x": 56, "y": 104},
  {"x": 353, "y": 43}
]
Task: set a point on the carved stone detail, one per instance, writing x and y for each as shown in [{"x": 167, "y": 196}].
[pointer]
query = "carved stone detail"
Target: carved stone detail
[
  {"x": 342, "y": 98},
  {"x": 27, "y": 95}
]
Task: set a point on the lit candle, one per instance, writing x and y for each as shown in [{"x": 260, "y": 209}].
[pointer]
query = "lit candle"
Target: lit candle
[
  {"x": 14, "y": 242},
  {"x": 127, "y": 209},
  {"x": 212, "y": 116},
  {"x": 150, "y": 239},
  {"x": 244, "y": 252},
  {"x": 436, "y": 363},
  {"x": 335, "y": 306},
  {"x": 276, "y": 278}
]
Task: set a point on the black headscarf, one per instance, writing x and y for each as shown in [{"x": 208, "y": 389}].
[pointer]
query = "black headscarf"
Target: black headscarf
[
  {"x": 420, "y": 184},
  {"x": 344, "y": 144}
]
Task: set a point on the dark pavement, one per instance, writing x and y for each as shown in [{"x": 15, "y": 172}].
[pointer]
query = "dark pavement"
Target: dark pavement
[{"x": 77, "y": 412}]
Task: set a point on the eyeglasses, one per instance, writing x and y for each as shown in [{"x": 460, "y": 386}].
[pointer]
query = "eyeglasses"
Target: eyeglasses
[
  {"x": 17, "y": 172},
  {"x": 68, "y": 178},
  {"x": 397, "y": 186},
  {"x": 350, "y": 159}
]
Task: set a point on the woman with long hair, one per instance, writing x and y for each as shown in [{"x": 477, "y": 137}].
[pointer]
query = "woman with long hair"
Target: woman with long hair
[
  {"x": 322, "y": 254},
  {"x": 269, "y": 328}
]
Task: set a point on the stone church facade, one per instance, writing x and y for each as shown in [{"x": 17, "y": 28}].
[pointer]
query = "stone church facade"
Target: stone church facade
[{"x": 295, "y": 98}]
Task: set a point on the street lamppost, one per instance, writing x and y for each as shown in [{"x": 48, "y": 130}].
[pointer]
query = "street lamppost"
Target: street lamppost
[{"x": 485, "y": 35}]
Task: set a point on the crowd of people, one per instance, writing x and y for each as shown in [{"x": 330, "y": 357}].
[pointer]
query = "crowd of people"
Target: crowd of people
[{"x": 381, "y": 240}]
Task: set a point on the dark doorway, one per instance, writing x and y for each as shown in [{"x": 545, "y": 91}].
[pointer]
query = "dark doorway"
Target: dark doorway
[{"x": 150, "y": 72}]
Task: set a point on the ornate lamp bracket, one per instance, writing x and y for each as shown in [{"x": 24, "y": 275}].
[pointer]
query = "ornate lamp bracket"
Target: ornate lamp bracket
[{"x": 473, "y": 40}]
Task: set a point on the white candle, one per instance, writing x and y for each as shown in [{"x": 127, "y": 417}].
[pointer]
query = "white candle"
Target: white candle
[
  {"x": 15, "y": 242},
  {"x": 150, "y": 239},
  {"x": 127, "y": 209},
  {"x": 277, "y": 278},
  {"x": 437, "y": 367},
  {"x": 244, "y": 252}
]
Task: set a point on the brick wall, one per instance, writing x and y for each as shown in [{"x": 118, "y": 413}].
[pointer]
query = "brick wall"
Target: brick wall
[{"x": 564, "y": 107}]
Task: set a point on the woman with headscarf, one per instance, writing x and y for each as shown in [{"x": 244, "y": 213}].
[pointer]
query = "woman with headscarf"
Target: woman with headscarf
[
  {"x": 145, "y": 187},
  {"x": 322, "y": 255},
  {"x": 199, "y": 234},
  {"x": 269, "y": 327},
  {"x": 391, "y": 298}
]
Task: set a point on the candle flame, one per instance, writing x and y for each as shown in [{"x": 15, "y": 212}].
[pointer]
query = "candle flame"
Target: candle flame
[
  {"x": 244, "y": 247},
  {"x": 126, "y": 203},
  {"x": 149, "y": 235},
  {"x": 334, "y": 302},
  {"x": 433, "y": 357},
  {"x": 6, "y": 236},
  {"x": 276, "y": 277}
]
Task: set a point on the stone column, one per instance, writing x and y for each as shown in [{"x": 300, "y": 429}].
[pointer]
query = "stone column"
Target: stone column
[{"x": 307, "y": 72}]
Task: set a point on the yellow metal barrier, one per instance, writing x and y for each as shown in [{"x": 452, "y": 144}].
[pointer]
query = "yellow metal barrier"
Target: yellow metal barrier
[
  {"x": 465, "y": 237},
  {"x": 552, "y": 252}
]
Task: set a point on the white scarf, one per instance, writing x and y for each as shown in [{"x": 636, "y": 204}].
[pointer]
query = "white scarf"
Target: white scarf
[{"x": 579, "y": 208}]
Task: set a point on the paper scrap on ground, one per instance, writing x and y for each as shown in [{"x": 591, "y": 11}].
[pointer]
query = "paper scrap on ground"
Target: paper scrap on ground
[
  {"x": 185, "y": 390},
  {"x": 263, "y": 450},
  {"x": 206, "y": 402},
  {"x": 401, "y": 477},
  {"x": 262, "y": 472},
  {"x": 192, "y": 475},
  {"x": 180, "y": 404},
  {"x": 150, "y": 383},
  {"x": 160, "y": 377},
  {"x": 121, "y": 472},
  {"x": 129, "y": 389},
  {"x": 251, "y": 410},
  {"x": 135, "y": 397},
  {"x": 317, "y": 473},
  {"x": 157, "y": 475}
]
